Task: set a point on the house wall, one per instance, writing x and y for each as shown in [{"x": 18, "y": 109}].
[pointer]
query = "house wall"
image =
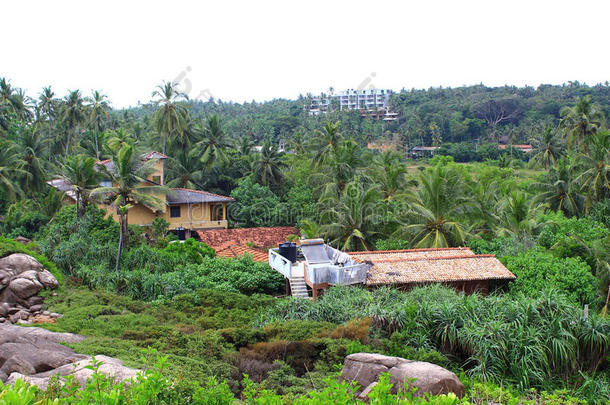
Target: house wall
[{"x": 158, "y": 165}]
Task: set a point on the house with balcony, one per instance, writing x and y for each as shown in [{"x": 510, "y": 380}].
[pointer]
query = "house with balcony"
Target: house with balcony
[
  {"x": 312, "y": 266},
  {"x": 186, "y": 211}
]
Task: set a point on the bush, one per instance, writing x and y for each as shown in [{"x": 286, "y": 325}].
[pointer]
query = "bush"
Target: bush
[{"x": 537, "y": 270}]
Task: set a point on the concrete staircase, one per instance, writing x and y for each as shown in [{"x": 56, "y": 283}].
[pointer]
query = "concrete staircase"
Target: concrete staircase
[{"x": 298, "y": 287}]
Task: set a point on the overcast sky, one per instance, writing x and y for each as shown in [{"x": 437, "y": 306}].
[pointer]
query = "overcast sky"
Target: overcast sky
[{"x": 262, "y": 50}]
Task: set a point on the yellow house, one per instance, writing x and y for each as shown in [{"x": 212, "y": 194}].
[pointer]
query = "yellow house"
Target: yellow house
[{"x": 186, "y": 210}]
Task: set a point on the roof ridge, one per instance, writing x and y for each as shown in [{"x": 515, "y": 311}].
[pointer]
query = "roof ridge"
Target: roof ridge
[
  {"x": 200, "y": 192},
  {"x": 369, "y": 252},
  {"x": 419, "y": 259}
]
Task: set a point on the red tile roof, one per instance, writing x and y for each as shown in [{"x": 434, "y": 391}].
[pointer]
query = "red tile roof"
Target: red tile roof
[
  {"x": 237, "y": 251},
  {"x": 262, "y": 238},
  {"x": 431, "y": 265}
]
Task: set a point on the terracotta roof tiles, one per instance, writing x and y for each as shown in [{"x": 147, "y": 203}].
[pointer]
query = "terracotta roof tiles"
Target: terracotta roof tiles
[{"x": 262, "y": 238}]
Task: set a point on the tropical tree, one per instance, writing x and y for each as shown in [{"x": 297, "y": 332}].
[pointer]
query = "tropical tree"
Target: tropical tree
[
  {"x": 79, "y": 172},
  {"x": 267, "y": 166},
  {"x": 98, "y": 111},
  {"x": 11, "y": 169},
  {"x": 32, "y": 146},
  {"x": 171, "y": 115},
  {"x": 518, "y": 214},
  {"x": 581, "y": 122},
  {"x": 390, "y": 173},
  {"x": 47, "y": 109},
  {"x": 548, "y": 148},
  {"x": 559, "y": 191},
  {"x": 353, "y": 218},
  {"x": 72, "y": 116},
  {"x": 594, "y": 179},
  {"x": 128, "y": 175},
  {"x": 432, "y": 220},
  {"x": 213, "y": 148},
  {"x": 326, "y": 142},
  {"x": 185, "y": 170}
]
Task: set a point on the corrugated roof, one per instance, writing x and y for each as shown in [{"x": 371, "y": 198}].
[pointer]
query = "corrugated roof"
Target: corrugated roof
[
  {"x": 184, "y": 196},
  {"x": 431, "y": 265},
  {"x": 264, "y": 237},
  {"x": 154, "y": 155}
]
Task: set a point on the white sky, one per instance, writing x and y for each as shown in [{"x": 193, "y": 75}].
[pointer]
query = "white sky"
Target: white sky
[{"x": 269, "y": 49}]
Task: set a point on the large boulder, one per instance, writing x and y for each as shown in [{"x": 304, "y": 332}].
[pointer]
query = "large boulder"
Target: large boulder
[
  {"x": 365, "y": 368},
  {"x": 21, "y": 279},
  {"x": 35, "y": 354}
]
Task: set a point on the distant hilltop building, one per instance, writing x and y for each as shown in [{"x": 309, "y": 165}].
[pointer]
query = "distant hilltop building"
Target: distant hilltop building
[{"x": 372, "y": 103}]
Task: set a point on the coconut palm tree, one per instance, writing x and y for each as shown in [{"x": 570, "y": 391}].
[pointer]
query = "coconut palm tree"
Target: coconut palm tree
[
  {"x": 581, "y": 122},
  {"x": 340, "y": 167},
  {"x": 267, "y": 165},
  {"x": 325, "y": 142},
  {"x": 351, "y": 219},
  {"x": 185, "y": 170},
  {"x": 435, "y": 208},
  {"x": 98, "y": 111},
  {"x": 11, "y": 169},
  {"x": 32, "y": 147},
  {"x": 548, "y": 148},
  {"x": 171, "y": 115},
  {"x": 559, "y": 190},
  {"x": 47, "y": 109},
  {"x": 595, "y": 169},
  {"x": 79, "y": 172},
  {"x": 128, "y": 175},
  {"x": 390, "y": 173},
  {"x": 213, "y": 148},
  {"x": 72, "y": 116},
  {"x": 518, "y": 214}
]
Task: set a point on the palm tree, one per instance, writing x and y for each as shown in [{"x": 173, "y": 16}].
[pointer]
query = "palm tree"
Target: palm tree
[
  {"x": 390, "y": 173},
  {"x": 185, "y": 170},
  {"x": 128, "y": 175},
  {"x": 548, "y": 148},
  {"x": 353, "y": 218},
  {"x": 518, "y": 214},
  {"x": 435, "y": 207},
  {"x": 10, "y": 169},
  {"x": 244, "y": 146},
  {"x": 72, "y": 115},
  {"x": 47, "y": 109},
  {"x": 98, "y": 110},
  {"x": 595, "y": 175},
  {"x": 581, "y": 121},
  {"x": 215, "y": 143},
  {"x": 268, "y": 164},
  {"x": 558, "y": 190},
  {"x": 340, "y": 167},
  {"x": 79, "y": 172},
  {"x": 32, "y": 149},
  {"x": 326, "y": 142},
  {"x": 171, "y": 116}
]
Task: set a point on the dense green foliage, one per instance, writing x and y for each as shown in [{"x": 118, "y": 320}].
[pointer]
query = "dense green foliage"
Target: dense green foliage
[{"x": 545, "y": 214}]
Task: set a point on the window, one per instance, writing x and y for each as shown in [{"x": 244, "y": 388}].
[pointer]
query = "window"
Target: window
[
  {"x": 157, "y": 179},
  {"x": 216, "y": 212},
  {"x": 174, "y": 212}
]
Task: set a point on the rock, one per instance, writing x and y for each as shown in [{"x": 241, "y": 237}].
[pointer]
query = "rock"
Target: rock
[
  {"x": 19, "y": 315},
  {"x": 21, "y": 278},
  {"x": 109, "y": 366},
  {"x": 43, "y": 319},
  {"x": 17, "y": 364},
  {"x": 364, "y": 395},
  {"x": 2, "y": 319},
  {"x": 55, "y": 315},
  {"x": 364, "y": 368},
  {"x": 41, "y": 383},
  {"x": 23, "y": 240}
]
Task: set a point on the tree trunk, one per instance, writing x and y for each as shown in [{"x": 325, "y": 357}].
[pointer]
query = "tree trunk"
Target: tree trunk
[
  {"x": 605, "y": 310},
  {"x": 122, "y": 234},
  {"x": 97, "y": 150},
  {"x": 68, "y": 141}
]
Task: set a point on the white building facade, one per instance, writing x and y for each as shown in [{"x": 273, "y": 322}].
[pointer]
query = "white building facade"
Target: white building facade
[{"x": 351, "y": 99}]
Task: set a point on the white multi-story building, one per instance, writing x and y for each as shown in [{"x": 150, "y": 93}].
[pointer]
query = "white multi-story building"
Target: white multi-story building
[{"x": 369, "y": 100}]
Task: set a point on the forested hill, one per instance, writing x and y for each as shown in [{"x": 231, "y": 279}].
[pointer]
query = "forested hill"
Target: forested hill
[{"x": 464, "y": 114}]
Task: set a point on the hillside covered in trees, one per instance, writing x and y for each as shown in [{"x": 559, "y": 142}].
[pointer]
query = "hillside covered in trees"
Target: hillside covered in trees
[{"x": 546, "y": 215}]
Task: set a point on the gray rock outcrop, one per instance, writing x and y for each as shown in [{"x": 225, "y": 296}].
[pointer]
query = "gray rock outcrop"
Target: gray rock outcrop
[
  {"x": 35, "y": 354},
  {"x": 21, "y": 278},
  {"x": 365, "y": 368}
]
